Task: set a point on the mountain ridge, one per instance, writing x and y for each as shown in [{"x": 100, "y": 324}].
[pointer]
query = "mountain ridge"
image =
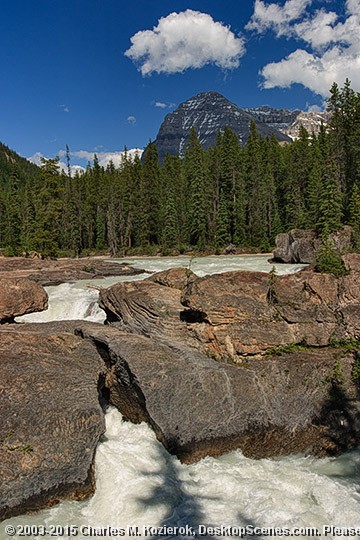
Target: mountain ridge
[{"x": 210, "y": 111}]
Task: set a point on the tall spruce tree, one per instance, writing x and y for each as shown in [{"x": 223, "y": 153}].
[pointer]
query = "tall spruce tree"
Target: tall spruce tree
[
  {"x": 49, "y": 209},
  {"x": 195, "y": 167}
]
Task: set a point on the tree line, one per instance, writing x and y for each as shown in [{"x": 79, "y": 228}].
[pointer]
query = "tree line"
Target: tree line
[{"x": 230, "y": 193}]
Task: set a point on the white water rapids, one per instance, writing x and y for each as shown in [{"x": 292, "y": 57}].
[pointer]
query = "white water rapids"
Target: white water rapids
[{"x": 140, "y": 484}]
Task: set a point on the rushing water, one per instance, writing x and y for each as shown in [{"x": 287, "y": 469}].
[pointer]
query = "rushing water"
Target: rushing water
[{"x": 139, "y": 484}]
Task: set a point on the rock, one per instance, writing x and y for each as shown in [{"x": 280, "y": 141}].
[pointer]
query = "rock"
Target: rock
[
  {"x": 230, "y": 250},
  {"x": 20, "y": 296},
  {"x": 300, "y": 402},
  {"x": 53, "y": 272},
  {"x": 245, "y": 313},
  {"x": 50, "y": 416},
  {"x": 296, "y": 246},
  {"x": 301, "y": 245},
  {"x": 239, "y": 314},
  {"x": 352, "y": 261},
  {"x": 146, "y": 308},
  {"x": 176, "y": 278}
]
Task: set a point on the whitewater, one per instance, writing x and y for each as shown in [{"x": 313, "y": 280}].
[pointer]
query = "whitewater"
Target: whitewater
[{"x": 138, "y": 484}]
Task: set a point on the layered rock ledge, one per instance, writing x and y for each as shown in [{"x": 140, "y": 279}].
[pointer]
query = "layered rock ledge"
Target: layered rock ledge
[{"x": 53, "y": 272}]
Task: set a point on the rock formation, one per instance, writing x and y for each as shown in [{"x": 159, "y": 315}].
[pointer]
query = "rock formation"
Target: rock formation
[
  {"x": 53, "y": 272},
  {"x": 279, "y": 385},
  {"x": 264, "y": 363},
  {"x": 301, "y": 245},
  {"x": 50, "y": 416},
  {"x": 19, "y": 296}
]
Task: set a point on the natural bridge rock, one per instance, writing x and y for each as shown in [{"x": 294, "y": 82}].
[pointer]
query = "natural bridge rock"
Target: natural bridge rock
[{"x": 305, "y": 401}]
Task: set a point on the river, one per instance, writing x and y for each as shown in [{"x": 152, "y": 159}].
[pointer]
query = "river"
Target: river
[{"x": 140, "y": 485}]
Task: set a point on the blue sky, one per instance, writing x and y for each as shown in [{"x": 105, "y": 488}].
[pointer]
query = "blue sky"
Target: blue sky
[{"x": 101, "y": 74}]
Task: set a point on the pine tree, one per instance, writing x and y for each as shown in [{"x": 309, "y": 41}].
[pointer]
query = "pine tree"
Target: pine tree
[
  {"x": 150, "y": 196},
  {"x": 196, "y": 176},
  {"x": 330, "y": 201},
  {"x": 48, "y": 209},
  {"x": 354, "y": 214},
  {"x": 12, "y": 214}
]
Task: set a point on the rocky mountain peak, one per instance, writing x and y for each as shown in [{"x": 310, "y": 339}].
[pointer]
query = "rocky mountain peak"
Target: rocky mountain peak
[{"x": 207, "y": 112}]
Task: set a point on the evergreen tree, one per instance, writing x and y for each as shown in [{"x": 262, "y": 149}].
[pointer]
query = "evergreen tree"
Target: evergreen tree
[
  {"x": 48, "y": 209},
  {"x": 330, "y": 201},
  {"x": 150, "y": 196},
  {"x": 12, "y": 214},
  {"x": 196, "y": 176},
  {"x": 354, "y": 214}
]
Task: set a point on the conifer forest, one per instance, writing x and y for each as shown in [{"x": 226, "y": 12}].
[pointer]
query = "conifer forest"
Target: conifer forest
[{"x": 245, "y": 195}]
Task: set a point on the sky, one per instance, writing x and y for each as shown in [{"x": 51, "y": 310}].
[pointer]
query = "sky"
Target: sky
[{"x": 99, "y": 75}]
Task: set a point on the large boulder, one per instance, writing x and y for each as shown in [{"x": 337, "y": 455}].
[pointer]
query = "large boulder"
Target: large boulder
[
  {"x": 19, "y": 296},
  {"x": 302, "y": 245},
  {"x": 300, "y": 402},
  {"x": 50, "y": 416},
  {"x": 243, "y": 313},
  {"x": 146, "y": 308}
]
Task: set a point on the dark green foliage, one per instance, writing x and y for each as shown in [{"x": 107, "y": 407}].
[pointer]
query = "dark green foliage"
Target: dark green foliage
[
  {"x": 49, "y": 209},
  {"x": 354, "y": 214},
  {"x": 328, "y": 260},
  {"x": 245, "y": 195}
]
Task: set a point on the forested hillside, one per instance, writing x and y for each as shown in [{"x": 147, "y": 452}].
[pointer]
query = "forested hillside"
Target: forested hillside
[{"x": 228, "y": 193}]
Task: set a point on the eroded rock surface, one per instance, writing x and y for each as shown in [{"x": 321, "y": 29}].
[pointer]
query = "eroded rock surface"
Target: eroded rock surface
[
  {"x": 50, "y": 416},
  {"x": 19, "y": 296},
  {"x": 53, "y": 272},
  {"x": 300, "y": 402}
]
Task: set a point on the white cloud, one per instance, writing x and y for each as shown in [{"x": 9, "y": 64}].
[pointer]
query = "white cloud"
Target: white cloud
[
  {"x": 38, "y": 156},
  {"x": 104, "y": 158},
  {"x": 276, "y": 17},
  {"x": 184, "y": 40},
  {"x": 65, "y": 108},
  {"x": 131, "y": 119},
  {"x": 332, "y": 45},
  {"x": 163, "y": 105},
  {"x": 314, "y": 108}
]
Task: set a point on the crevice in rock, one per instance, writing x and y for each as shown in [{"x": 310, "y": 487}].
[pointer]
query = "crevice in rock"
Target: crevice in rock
[{"x": 192, "y": 316}]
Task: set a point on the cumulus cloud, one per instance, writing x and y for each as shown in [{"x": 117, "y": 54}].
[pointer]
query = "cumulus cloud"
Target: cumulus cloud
[
  {"x": 332, "y": 45},
  {"x": 131, "y": 119},
  {"x": 189, "y": 39},
  {"x": 38, "y": 156},
  {"x": 275, "y": 16},
  {"x": 105, "y": 158}
]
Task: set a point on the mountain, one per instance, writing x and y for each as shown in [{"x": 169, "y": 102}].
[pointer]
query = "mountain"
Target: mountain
[
  {"x": 289, "y": 122},
  {"x": 10, "y": 160},
  {"x": 207, "y": 113}
]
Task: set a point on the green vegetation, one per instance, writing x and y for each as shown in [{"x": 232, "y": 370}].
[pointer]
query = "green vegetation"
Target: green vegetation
[
  {"x": 329, "y": 261},
  {"x": 229, "y": 193},
  {"x": 287, "y": 349}
]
